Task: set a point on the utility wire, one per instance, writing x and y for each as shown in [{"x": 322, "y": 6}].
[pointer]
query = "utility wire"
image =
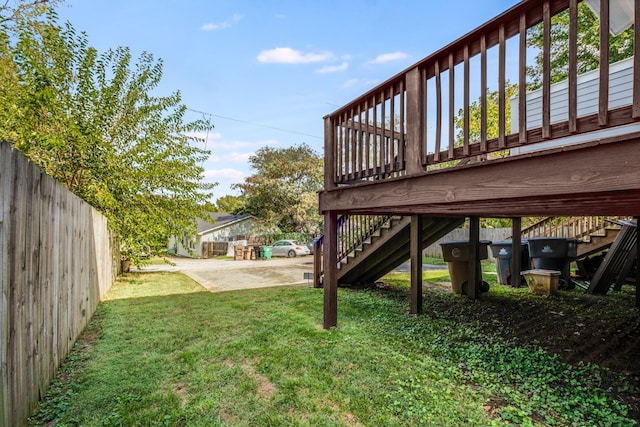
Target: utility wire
[{"x": 255, "y": 124}]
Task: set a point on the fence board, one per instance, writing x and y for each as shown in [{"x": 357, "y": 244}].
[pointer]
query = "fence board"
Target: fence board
[
  {"x": 6, "y": 174},
  {"x": 57, "y": 259},
  {"x": 492, "y": 234}
]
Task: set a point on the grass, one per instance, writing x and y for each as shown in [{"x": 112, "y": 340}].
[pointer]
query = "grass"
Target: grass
[{"x": 161, "y": 351}]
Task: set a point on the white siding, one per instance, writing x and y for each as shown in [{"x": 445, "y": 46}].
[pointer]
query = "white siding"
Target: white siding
[{"x": 620, "y": 91}]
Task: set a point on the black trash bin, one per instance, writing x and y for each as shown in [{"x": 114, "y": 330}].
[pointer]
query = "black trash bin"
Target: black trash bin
[
  {"x": 257, "y": 250},
  {"x": 502, "y": 251},
  {"x": 456, "y": 254},
  {"x": 552, "y": 253}
]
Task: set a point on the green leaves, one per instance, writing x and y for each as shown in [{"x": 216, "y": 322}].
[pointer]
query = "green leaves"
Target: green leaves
[
  {"x": 282, "y": 192},
  {"x": 620, "y": 47},
  {"x": 92, "y": 121}
]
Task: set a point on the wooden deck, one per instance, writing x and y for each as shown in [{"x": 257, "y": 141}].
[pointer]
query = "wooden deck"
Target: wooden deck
[{"x": 398, "y": 150}]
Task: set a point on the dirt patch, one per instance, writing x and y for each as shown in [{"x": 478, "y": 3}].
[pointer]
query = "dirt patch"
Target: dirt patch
[
  {"x": 181, "y": 390},
  {"x": 266, "y": 388}
]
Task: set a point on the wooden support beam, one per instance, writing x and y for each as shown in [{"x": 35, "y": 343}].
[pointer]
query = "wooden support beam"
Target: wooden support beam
[
  {"x": 516, "y": 251},
  {"x": 330, "y": 281},
  {"x": 474, "y": 273},
  {"x": 416, "y": 264}
]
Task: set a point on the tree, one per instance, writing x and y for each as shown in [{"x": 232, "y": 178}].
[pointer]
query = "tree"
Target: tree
[
  {"x": 21, "y": 9},
  {"x": 90, "y": 121},
  {"x": 230, "y": 204},
  {"x": 283, "y": 190},
  {"x": 620, "y": 47},
  {"x": 511, "y": 90}
]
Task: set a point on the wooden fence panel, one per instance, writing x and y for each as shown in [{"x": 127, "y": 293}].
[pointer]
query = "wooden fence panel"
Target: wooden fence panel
[
  {"x": 6, "y": 173},
  {"x": 57, "y": 259}
]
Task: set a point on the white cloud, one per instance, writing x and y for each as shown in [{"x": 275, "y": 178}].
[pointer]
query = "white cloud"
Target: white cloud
[
  {"x": 230, "y": 157},
  {"x": 387, "y": 57},
  {"x": 359, "y": 82},
  {"x": 221, "y": 25},
  {"x": 349, "y": 83},
  {"x": 227, "y": 145},
  {"x": 333, "y": 68},
  {"x": 228, "y": 175},
  {"x": 286, "y": 55}
]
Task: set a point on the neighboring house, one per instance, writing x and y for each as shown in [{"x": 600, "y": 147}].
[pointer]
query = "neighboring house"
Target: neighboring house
[
  {"x": 222, "y": 227},
  {"x": 620, "y": 94}
]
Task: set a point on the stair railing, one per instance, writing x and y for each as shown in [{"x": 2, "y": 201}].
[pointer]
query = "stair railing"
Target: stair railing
[
  {"x": 568, "y": 227},
  {"x": 353, "y": 231}
]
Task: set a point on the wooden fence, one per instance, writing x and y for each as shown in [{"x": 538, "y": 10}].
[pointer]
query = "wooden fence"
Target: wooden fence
[
  {"x": 57, "y": 259},
  {"x": 492, "y": 234}
]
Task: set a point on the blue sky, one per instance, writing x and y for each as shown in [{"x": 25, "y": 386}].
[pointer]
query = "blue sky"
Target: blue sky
[{"x": 268, "y": 71}]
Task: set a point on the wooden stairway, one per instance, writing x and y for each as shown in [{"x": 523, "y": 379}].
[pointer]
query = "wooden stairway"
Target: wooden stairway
[
  {"x": 595, "y": 233},
  {"x": 388, "y": 248}
]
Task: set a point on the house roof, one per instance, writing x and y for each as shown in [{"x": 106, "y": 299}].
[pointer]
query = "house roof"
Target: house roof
[{"x": 220, "y": 220}]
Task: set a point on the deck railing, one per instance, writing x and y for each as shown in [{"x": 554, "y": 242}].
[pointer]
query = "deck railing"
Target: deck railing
[{"x": 437, "y": 113}]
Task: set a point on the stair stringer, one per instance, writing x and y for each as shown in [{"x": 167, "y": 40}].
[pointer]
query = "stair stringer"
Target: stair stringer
[
  {"x": 391, "y": 249},
  {"x": 597, "y": 243}
]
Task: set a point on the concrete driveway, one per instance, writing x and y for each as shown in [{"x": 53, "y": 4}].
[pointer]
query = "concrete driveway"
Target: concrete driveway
[{"x": 218, "y": 275}]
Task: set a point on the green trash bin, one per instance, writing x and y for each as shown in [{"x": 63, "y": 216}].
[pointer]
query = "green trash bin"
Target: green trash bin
[{"x": 266, "y": 252}]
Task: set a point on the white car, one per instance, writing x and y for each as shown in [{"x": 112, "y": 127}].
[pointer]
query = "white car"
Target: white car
[{"x": 289, "y": 248}]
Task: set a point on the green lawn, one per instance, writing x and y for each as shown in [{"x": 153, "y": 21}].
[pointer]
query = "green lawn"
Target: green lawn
[{"x": 161, "y": 351}]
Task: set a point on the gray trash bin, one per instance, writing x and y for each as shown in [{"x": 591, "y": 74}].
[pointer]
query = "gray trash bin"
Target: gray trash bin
[
  {"x": 456, "y": 254},
  {"x": 552, "y": 253},
  {"x": 502, "y": 251}
]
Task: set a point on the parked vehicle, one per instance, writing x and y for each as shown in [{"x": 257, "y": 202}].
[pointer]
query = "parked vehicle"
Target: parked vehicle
[
  {"x": 312, "y": 244},
  {"x": 289, "y": 248}
]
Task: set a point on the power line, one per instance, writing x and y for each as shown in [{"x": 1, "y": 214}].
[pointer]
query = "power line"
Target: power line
[{"x": 254, "y": 124}]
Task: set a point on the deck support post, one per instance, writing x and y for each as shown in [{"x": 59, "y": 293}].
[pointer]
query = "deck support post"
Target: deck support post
[
  {"x": 516, "y": 251},
  {"x": 330, "y": 281},
  {"x": 474, "y": 275},
  {"x": 416, "y": 263}
]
